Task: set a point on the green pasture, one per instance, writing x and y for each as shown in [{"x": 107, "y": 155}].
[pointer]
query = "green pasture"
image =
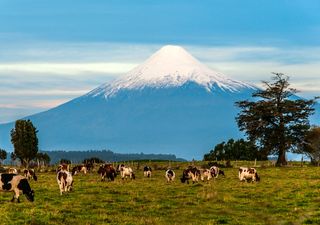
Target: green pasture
[{"x": 288, "y": 195}]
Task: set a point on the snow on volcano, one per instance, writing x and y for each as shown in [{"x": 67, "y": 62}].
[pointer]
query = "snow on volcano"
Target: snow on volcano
[{"x": 171, "y": 66}]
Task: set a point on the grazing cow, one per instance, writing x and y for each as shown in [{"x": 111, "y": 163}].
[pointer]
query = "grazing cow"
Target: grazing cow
[
  {"x": 147, "y": 171},
  {"x": 29, "y": 173},
  {"x": 65, "y": 181},
  {"x": 206, "y": 174},
  {"x": 170, "y": 175},
  {"x": 190, "y": 173},
  {"x": 215, "y": 171},
  {"x": 89, "y": 166},
  {"x": 12, "y": 171},
  {"x": 16, "y": 183},
  {"x": 65, "y": 167},
  {"x": 248, "y": 174},
  {"x": 107, "y": 171},
  {"x": 126, "y": 172},
  {"x": 78, "y": 169}
]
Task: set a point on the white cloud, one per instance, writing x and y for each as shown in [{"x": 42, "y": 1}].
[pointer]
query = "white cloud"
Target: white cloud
[{"x": 65, "y": 68}]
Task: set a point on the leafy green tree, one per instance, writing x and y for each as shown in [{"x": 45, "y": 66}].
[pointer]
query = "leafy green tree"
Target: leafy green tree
[
  {"x": 311, "y": 145},
  {"x": 277, "y": 121},
  {"x": 3, "y": 155},
  {"x": 235, "y": 150},
  {"x": 25, "y": 141},
  {"x": 43, "y": 158},
  {"x": 93, "y": 160}
]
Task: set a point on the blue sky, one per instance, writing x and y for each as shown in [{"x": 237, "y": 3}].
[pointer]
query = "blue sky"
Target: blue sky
[{"x": 53, "y": 51}]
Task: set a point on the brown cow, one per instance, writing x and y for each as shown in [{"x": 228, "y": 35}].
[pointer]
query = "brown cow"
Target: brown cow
[
  {"x": 29, "y": 173},
  {"x": 107, "y": 171},
  {"x": 190, "y": 173}
]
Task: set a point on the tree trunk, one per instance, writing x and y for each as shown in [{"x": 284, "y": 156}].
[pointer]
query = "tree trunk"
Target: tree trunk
[
  {"x": 282, "y": 158},
  {"x": 25, "y": 163}
]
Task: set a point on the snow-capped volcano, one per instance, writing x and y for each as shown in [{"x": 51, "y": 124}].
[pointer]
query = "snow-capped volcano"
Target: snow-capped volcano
[
  {"x": 171, "y": 103},
  {"x": 171, "y": 66}
]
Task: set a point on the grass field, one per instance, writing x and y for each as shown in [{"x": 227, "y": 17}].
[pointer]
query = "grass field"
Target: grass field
[{"x": 287, "y": 195}]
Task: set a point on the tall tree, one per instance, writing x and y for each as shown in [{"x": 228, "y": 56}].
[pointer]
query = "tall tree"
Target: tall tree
[
  {"x": 3, "y": 155},
  {"x": 25, "y": 141},
  {"x": 278, "y": 120}
]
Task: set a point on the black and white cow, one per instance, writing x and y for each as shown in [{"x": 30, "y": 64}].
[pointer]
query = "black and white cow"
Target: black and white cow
[
  {"x": 17, "y": 184},
  {"x": 29, "y": 173},
  {"x": 206, "y": 174},
  {"x": 107, "y": 171},
  {"x": 65, "y": 181},
  {"x": 215, "y": 171},
  {"x": 190, "y": 173},
  {"x": 147, "y": 171},
  {"x": 78, "y": 169},
  {"x": 246, "y": 174},
  {"x": 170, "y": 175},
  {"x": 126, "y": 172}
]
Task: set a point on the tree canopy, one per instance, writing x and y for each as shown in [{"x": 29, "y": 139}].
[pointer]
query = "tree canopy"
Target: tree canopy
[
  {"x": 3, "y": 155},
  {"x": 235, "y": 150},
  {"x": 311, "y": 145},
  {"x": 277, "y": 120},
  {"x": 93, "y": 160},
  {"x": 25, "y": 141}
]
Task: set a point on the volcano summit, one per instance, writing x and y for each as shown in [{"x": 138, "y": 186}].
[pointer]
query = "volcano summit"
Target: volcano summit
[{"x": 171, "y": 103}]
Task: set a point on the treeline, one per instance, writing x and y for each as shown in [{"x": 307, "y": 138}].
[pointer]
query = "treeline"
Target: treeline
[
  {"x": 236, "y": 150},
  {"x": 106, "y": 155}
]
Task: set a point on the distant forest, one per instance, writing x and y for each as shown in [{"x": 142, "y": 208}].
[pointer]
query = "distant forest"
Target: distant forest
[{"x": 106, "y": 155}]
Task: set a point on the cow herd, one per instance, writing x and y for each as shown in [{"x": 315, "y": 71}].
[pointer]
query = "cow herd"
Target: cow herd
[{"x": 12, "y": 181}]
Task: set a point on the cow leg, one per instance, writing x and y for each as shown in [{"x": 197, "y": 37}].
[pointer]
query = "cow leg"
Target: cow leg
[
  {"x": 242, "y": 177},
  {"x": 16, "y": 195},
  {"x": 65, "y": 187},
  {"x": 61, "y": 187}
]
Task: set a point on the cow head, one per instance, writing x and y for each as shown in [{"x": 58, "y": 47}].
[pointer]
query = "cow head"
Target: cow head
[
  {"x": 221, "y": 172},
  {"x": 30, "y": 195},
  {"x": 183, "y": 179},
  {"x": 26, "y": 190},
  {"x": 185, "y": 176},
  {"x": 74, "y": 170},
  {"x": 33, "y": 174}
]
